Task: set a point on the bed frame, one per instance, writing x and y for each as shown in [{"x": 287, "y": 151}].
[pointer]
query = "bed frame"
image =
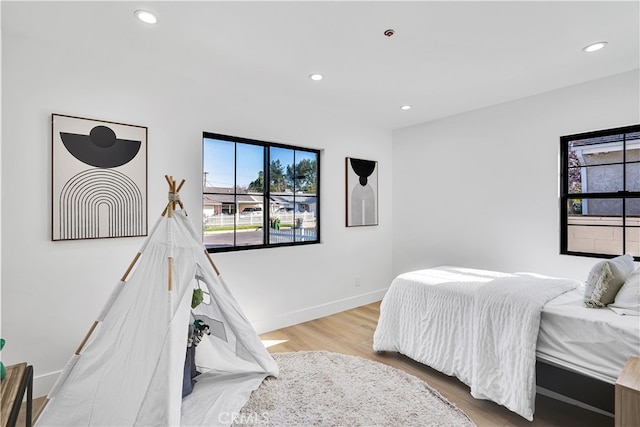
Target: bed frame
[
  {"x": 567, "y": 384},
  {"x": 588, "y": 390}
]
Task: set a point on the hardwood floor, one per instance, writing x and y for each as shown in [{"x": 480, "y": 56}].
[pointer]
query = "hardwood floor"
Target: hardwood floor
[{"x": 351, "y": 332}]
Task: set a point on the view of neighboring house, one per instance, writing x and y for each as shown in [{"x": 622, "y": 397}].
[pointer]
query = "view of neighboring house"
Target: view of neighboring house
[
  {"x": 223, "y": 201},
  {"x": 605, "y": 165},
  {"x": 601, "y": 170}
]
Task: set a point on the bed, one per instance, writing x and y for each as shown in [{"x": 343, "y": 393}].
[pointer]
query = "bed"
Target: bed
[{"x": 500, "y": 332}]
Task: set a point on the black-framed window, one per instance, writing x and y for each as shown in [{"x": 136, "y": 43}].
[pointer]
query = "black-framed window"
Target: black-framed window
[
  {"x": 600, "y": 193},
  {"x": 258, "y": 194}
]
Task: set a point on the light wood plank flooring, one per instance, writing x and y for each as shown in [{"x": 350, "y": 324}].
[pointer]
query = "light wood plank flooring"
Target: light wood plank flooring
[{"x": 351, "y": 332}]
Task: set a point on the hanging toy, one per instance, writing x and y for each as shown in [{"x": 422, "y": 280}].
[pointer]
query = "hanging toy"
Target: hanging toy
[
  {"x": 200, "y": 329},
  {"x": 196, "y": 298}
]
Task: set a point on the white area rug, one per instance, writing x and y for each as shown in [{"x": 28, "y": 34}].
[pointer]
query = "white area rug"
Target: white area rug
[{"x": 319, "y": 388}]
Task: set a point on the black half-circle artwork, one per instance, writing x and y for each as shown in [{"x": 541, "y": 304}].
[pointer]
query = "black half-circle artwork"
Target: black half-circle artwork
[
  {"x": 363, "y": 168},
  {"x": 100, "y": 148}
]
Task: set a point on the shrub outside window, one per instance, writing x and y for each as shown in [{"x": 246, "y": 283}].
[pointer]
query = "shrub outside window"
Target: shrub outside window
[
  {"x": 258, "y": 194},
  {"x": 600, "y": 193}
]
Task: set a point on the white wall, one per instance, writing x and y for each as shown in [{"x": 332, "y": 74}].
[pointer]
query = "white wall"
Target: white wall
[
  {"x": 451, "y": 185},
  {"x": 481, "y": 189},
  {"x": 52, "y": 291}
]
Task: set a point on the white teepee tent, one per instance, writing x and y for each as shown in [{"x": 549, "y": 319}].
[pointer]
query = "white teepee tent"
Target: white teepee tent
[{"x": 129, "y": 368}]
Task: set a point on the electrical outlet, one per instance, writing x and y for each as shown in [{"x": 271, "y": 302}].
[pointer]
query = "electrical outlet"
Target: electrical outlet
[{"x": 356, "y": 281}]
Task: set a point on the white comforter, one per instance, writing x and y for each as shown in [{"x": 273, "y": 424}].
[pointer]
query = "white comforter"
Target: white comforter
[
  {"x": 480, "y": 326},
  {"x": 506, "y": 321}
]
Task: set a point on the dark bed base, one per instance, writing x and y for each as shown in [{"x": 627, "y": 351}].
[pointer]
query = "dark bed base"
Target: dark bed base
[
  {"x": 588, "y": 390},
  {"x": 579, "y": 387}
]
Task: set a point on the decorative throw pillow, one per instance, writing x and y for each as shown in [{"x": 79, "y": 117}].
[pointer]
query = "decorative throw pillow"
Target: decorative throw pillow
[
  {"x": 621, "y": 267},
  {"x": 602, "y": 288},
  {"x": 628, "y": 298}
]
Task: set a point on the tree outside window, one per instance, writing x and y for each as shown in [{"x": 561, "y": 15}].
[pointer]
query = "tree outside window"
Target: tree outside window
[{"x": 258, "y": 194}]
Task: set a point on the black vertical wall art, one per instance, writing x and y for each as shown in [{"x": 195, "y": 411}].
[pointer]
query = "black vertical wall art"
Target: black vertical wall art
[
  {"x": 99, "y": 179},
  {"x": 361, "y": 192}
]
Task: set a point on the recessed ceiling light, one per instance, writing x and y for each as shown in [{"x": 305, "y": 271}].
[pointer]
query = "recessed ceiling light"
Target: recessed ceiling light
[
  {"x": 146, "y": 16},
  {"x": 405, "y": 107},
  {"x": 316, "y": 76},
  {"x": 594, "y": 46}
]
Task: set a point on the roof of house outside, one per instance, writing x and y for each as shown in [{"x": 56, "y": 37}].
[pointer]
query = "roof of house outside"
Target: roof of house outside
[
  {"x": 209, "y": 199},
  {"x": 605, "y": 139}
]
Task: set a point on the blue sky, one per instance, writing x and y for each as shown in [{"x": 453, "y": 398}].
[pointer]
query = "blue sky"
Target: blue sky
[{"x": 218, "y": 161}]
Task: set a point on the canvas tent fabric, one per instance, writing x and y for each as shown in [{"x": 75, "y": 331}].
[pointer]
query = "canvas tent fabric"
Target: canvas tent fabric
[{"x": 130, "y": 370}]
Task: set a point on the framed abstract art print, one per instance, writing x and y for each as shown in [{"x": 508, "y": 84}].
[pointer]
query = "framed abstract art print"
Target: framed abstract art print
[
  {"x": 99, "y": 179},
  {"x": 361, "y": 192}
]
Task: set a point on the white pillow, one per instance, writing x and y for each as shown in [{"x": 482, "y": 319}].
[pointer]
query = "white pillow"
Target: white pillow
[
  {"x": 619, "y": 267},
  {"x": 628, "y": 298}
]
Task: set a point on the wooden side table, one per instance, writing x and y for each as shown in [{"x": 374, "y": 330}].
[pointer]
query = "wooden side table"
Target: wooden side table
[
  {"x": 19, "y": 380},
  {"x": 628, "y": 395}
]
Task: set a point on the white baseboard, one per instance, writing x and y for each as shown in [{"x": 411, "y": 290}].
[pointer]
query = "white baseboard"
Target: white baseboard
[
  {"x": 317, "y": 311},
  {"x": 42, "y": 384}
]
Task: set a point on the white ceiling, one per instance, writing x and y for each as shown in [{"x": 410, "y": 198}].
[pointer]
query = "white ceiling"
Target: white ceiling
[{"x": 445, "y": 57}]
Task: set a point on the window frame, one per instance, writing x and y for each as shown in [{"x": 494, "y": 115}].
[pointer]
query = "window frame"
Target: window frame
[
  {"x": 565, "y": 195},
  {"x": 266, "y": 145}
]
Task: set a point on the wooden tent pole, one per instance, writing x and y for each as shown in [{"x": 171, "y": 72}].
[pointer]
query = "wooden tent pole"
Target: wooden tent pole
[
  {"x": 86, "y": 337},
  {"x": 126, "y": 273},
  {"x": 173, "y": 196},
  {"x": 166, "y": 209},
  {"x": 180, "y": 186},
  {"x": 173, "y": 199},
  {"x": 212, "y": 263},
  {"x": 95, "y": 323},
  {"x": 177, "y": 190},
  {"x": 172, "y": 192},
  {"x": 170, "y": 273},
  {"x": 169, "y": 180}
]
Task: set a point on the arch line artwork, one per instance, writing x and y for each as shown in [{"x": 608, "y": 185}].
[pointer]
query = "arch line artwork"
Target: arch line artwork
[
  {"x": 101, "y": 203},
  {"x": 98, "y": 179}
]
